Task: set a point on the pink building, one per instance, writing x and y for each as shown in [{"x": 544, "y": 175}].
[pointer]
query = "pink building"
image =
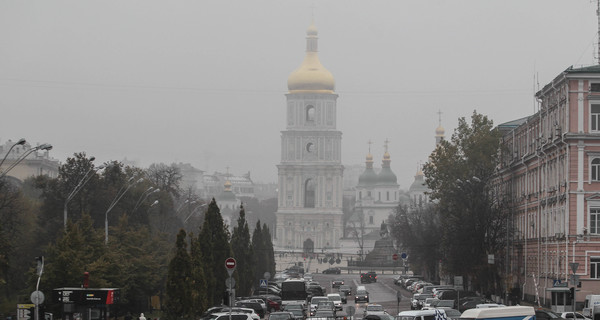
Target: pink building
[{"x": 550, "y": 176}]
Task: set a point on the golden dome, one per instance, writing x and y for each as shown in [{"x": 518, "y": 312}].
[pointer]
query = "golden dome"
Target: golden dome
[
  {"x": 369, "y": 157},
  {"x": 386, "y": 156},
  {"x": 311, "y": 76},
  {"x": 440, "y": 131}
]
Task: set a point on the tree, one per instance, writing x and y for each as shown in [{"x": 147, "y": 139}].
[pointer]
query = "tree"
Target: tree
[
  {"x": 357, "y": 231},
  {"x": 241, "y": 247},
  {"x": 262, "y": 247},
  {"x": 178, "y": 299},
  {"x": 214, "y": 243},
  {"x": 414, "y": 229},
  {"x": 199, "y": 282},
  {"x": 166, "y": 177},
  {"x": 269, "y": 252},
  {"x": 459, "y": 173}
]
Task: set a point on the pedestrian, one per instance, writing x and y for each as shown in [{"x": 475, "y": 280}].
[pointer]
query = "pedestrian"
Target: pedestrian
[{"x": 142, "y": 316}]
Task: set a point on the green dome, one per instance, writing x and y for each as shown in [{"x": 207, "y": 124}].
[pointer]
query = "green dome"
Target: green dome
[
  {"x": 419, "y": 184},
  {"x": 387, "y": 177},
  {"x": 368, "y": 178}
]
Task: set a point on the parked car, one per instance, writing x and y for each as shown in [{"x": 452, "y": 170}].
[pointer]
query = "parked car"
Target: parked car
[
  {"x": 471, "y": 302},
  {"x": 546, "y": 314},
  {"x": 214, "y": 310},
  {"x": 418, "y": 299},
  {"x": 254, "y": 305},
  {"x": 574, "y": 316},
  {"x": 452, "y": 314},
  {"x": 332, "y": 271},
  {"x": 421, "y": 314},
  {"x": 226, "y": 316}
]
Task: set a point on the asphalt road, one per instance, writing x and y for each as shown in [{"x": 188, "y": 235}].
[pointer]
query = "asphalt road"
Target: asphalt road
[{"x": 382, "y": 292}]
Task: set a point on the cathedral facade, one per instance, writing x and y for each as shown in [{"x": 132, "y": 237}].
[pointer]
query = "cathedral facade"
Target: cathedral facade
[{"x": 309, "y": 212}]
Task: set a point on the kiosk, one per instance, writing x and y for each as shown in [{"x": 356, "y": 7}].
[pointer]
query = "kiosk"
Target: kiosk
[
  {"x": 561, "y": 299},
  {"x": 86, "y": 303}
]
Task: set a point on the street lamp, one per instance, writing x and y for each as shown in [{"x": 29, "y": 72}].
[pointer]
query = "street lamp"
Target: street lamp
[
  {"x": 20, "y": 142},
  {"x": 118, "y": 197},
  {"x": 144, "y": 196},
  {"x": 44, "y": 146},
  {"x": 194, "y": 210},
  {"x": 86, "y": 177}
]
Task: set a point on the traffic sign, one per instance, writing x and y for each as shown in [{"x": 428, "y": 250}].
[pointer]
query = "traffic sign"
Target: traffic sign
[
  {"x": 230, "y": 265},
  {"x": 37, "y": 297},
  {"x": 395, "y": 256},
  {"x": 403, "y": 255},
  {"x": 263, "y": 283}
]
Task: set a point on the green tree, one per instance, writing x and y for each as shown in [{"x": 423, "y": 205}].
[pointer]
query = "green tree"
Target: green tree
[
  {"x": 199, "y": 282},
  {"x": 459, "y": 174},
  {"x": 178, "y": 298},
  {"x": 269, "y": 251},
  {"x": 214, "y": 243},
  {"x": 241, "y": 246}
]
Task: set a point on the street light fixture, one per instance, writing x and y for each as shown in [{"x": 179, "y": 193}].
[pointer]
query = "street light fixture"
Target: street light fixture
[
  {"x": 86, "y": 177},
  {"x": 193, "y": 211},
  {"x": 144, "y": 196},
  {"x": 20, "y": 142},
  {"x": 118, "y": 197},
  {"x": 44, "y": 146}
]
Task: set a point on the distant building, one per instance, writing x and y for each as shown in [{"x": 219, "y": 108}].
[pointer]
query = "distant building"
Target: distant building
[
  {"x": 35, "y": 164},
  {"x": 310, "y": 174}
]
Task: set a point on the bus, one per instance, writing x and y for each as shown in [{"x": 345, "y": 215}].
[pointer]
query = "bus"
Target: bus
[
  {"x": 293, "y": 291},
  {"x": 499, "y": 313}
]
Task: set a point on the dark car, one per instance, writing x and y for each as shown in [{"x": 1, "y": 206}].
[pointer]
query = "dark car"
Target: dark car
[
  {"x": 345, "y": 291},
  {"x": 337, "y": 283},
  {"x": 315, "y": 290},
  {"x": 368, "y": 277},
  {"x": 545, "y": 314},
  {"x": 332, "y": 271},
  {"x": 471, "y": 302},
  {"x": 252, "y": 305},
  {"x": 361, "y": 296}
]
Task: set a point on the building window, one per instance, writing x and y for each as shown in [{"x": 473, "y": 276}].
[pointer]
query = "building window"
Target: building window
[
  {"x": 309, "y": 193},
  {"x": 387, "y": 195},
  {"x": 370, "y": 219},
  {"x": 595, "y": 87},
  {"x": 360, "y": 194},
  {"x": 310, "y": 113},
  {"x": 595, "y": 117},
  {"x": 594, "y": 220},
  {"x": 595, "y": 268},
  {"x": 595, "y": 169}
]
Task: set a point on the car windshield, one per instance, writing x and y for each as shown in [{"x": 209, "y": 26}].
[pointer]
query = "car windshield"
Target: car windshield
[
  {"x": 361, "y": 292},
  {"x": 279, "y": 316},
  {"x": 324, "y": 313},
  {"x": 293, "y": 307},
  {"x": 316, "y": 300},
  {"x": 335, "y": 298}
]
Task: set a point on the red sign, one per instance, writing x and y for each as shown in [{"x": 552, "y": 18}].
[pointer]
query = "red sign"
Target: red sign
[
  {"x": 395, "y": 256},
  {"x": 230, "y": 263}
]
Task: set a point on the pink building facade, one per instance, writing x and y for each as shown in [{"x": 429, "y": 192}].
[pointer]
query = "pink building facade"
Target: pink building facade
[{"x": 549, "y": 176}]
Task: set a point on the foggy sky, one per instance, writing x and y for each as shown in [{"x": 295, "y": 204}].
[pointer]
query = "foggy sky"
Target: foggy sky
[{"x": 203, "y": 82}]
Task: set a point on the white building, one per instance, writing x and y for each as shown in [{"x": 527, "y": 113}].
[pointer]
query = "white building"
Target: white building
[{"x": 310, "y": 174}]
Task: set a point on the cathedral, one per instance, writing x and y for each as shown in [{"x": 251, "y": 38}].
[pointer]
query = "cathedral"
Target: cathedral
[{"x": 309, "y": 211}]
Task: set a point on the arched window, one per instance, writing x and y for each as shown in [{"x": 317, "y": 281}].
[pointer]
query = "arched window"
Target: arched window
[
  {"x": 596, "y": 169},
  {"x": 309, "y": 193},
  {"x": 310, "y": 113}
]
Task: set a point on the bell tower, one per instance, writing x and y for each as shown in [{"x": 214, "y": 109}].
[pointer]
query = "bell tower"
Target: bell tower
[{"x": 310, "y": 171}]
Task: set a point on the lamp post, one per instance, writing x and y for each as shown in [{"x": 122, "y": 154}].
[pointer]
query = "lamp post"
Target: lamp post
[
  {"x": 194, "y": 210},
  {"x": 44, "y": 146},
  {"x": 20, "y": 142},
  {"x": 114, "y": 202},
  {"x": 144, "y": 196},
  {"x": 86, "y": 177}
]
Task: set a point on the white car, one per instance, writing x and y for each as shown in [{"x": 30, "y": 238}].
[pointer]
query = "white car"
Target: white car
[
  {"x": 574, "y": 316},
  {"x": 314, "y": 302},
  {"x": 374, "y": 309},
  {"x": 225, "y": 316},
  {"x": 337, "y": 300}
]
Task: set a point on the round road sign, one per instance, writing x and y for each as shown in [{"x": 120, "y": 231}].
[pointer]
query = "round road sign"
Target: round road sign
[
  {"x": 403, "y": 255},
  {"x": 37, "y": 297},
  {"x": 230, "y": 263},
  {"x": 395, "y": 256}
]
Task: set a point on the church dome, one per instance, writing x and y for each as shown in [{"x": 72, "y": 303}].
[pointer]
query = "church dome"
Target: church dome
[
  {"x": 227, "y": 194},
  {"x": 369, "y": 176},
  {"x": 419, "y": 184},
  {"x": 311, "y": 76},
  {"x": 440, "y": 131},
  {"x": 386, "y": 176}
]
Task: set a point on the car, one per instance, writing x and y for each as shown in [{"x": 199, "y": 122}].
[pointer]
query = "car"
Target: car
[
  {"x": 221, "y": 309},
  {"x": 471, "y": 302},
  {"x": 315, "y": 290},
  {"x": 336, "y": 299},
  {"x": 298, "y": 314},
  {"x": 429, "y": 314},
  {"x": 326, "y": 305},
  {"x": 430, "y": 302},
  {"x": 226, "y": 316},
  {"x": 574, "y": 316},
  {"x": 252, "y": 304},
  {"x": 373, "y": 309},
  {"x": 418, "y": 299},
  {"x": 314, "y": 301},
  {"x": 334, "y": 270},
  {"x": 368, "y": 277},
  {"x": 281, "y": 315},
  {"x": 546, "y": 314},
  {"x": 337, "y": 283},
  {"x": 328, "y": 314},
  {"x": 345, "y": 291},
  {"x": 362, "y": 295},
  {"x": 452, "y": 314}
]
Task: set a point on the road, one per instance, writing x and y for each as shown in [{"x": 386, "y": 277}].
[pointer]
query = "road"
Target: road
[{"x": 382, "y": 292}]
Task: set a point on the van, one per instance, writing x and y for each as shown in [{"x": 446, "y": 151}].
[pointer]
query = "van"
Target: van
[
  {"x": 500, "y": 313},
  {"x": 429, "y": 314}
]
